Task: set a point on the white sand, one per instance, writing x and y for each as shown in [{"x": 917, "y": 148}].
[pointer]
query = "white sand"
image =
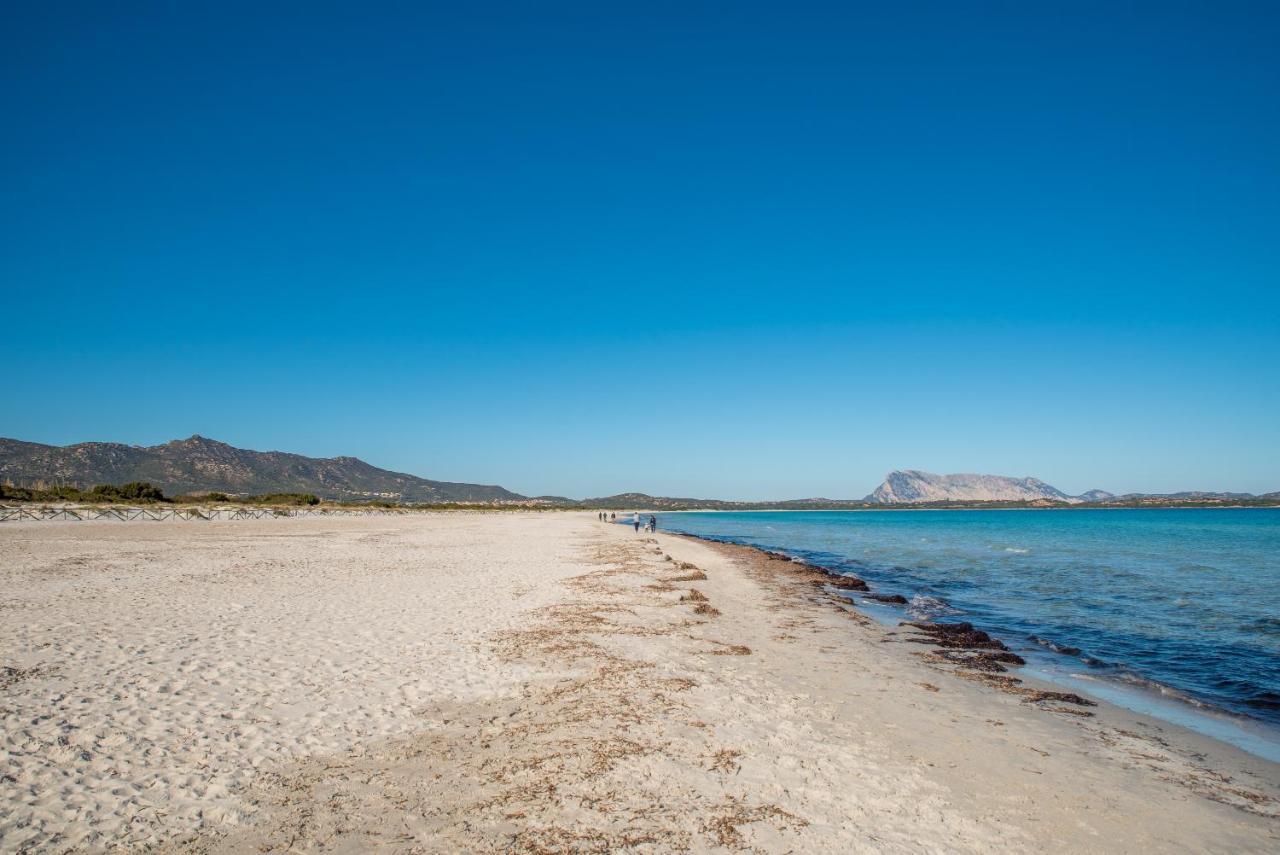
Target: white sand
[
  {"x": 533, "y": 682},
  {"x": 175, "y": 659}
]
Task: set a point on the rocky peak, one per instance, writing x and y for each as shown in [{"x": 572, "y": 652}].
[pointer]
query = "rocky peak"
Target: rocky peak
[{"x": 912, "y": 486}]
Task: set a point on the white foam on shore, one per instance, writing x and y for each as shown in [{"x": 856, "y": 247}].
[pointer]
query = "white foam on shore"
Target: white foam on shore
[{"x": 925, "y": 607}]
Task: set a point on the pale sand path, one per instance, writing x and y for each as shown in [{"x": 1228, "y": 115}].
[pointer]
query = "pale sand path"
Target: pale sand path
[{"x": 531, "y": 682}]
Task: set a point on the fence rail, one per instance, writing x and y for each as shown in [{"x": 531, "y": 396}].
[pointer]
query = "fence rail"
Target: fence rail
[{"x": 41, "y": 514}]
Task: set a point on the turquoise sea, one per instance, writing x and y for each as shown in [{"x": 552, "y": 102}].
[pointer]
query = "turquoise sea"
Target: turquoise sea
[{"x": 1172, "y": 612}]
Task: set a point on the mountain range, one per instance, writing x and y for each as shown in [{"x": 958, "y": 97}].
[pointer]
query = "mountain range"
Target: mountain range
[{"x": 197, "y": 465}]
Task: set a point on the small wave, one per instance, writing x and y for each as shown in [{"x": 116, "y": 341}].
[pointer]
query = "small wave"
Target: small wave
[
  {"x": 1017, "y": 550},
  {"x": 930, "y": 607},
  {"x": 1056, "y": 648},
  {"x": 1263, "y": 626},
  {"x": 1196, "y": 568},
  {"x": 1161, "y": 689},
  {"x": 1264, "y": 701}
]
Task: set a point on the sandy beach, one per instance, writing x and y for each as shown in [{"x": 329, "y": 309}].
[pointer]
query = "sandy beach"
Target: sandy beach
[{"x": 540, "y": 683}]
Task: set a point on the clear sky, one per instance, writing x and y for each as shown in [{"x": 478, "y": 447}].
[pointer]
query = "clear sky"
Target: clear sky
[{"x": 734, "y": 250}]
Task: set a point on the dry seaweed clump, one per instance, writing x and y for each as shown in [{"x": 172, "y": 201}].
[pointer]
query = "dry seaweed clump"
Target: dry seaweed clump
[
  {"x": 954, "y": 635},
  {"x": 982, "y": 660},
  {"x": 706, "y": 609},
  {"x": 1036, "y": 697},
  {"x": 730, "y": 649},
  {"x": 845, "y": 583},
  {"x": 725, "y": 760},
  {"x": 693, "y": 596},
  {"x": 555, "y": 839},
  {"x": 1012, "y": 686},
  {"x": 726, "y": 822}
]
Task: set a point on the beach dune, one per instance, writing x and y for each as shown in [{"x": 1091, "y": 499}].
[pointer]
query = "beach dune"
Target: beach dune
[{"x": 536, "y": 682}]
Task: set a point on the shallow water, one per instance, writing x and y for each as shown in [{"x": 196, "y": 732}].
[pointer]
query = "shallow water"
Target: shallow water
[{"x": 1179, "y": 605}]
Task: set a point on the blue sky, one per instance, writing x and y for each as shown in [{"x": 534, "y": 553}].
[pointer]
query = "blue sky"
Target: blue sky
[{"x": 578, "y": 249}]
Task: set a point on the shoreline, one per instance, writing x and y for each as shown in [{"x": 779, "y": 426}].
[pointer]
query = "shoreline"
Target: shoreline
[
  {"x": 1059, "y": 710},
  {"x": 1149, "y": 698},
  {"x": 1084, "y": 506},
  {"x": 533, "y": 683}
]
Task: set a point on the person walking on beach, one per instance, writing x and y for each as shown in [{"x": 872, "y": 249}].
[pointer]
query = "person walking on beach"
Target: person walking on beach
[
  {"x": 653, "y": 523},
  {"x": 635, "y": 520}
]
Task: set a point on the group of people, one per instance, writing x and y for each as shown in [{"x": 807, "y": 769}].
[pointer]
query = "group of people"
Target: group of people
[{"x": 650, "y": 525}]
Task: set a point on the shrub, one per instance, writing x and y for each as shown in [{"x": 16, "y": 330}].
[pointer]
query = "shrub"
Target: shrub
[
  {"x": 285, "y": 499},
  {"x": 134, "y": 491}
]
